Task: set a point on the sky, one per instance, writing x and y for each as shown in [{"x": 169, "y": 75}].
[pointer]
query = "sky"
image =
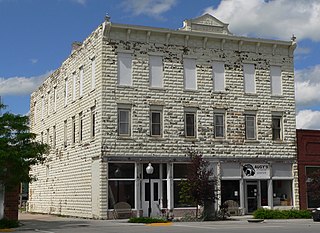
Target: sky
[{"x": 36, "y": 37}]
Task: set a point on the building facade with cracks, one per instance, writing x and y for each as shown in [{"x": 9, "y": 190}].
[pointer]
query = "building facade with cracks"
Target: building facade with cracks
[{"x": 132, "y": 95}]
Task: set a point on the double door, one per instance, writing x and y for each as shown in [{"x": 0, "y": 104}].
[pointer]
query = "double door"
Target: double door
[{"x": 151, "y": 194}]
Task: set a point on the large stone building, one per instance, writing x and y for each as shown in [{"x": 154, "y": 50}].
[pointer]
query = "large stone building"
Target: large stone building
[{"x": 132, "y": 95}]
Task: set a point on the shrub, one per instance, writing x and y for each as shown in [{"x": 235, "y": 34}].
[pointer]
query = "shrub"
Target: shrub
[
  {"x": 147, "y": 220},
  {"x": 281, "y": 214},
  {"x": 4, "y": 223}
]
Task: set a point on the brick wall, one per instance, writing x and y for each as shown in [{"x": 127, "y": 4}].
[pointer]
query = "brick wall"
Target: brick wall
[{"x": 11, "y": 202}]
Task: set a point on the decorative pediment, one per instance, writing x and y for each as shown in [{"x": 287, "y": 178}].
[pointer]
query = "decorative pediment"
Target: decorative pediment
[{"x": 206, "y": 23}]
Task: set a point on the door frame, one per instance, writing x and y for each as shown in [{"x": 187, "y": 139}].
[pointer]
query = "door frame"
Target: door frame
[{"x": 258, "y": 193}]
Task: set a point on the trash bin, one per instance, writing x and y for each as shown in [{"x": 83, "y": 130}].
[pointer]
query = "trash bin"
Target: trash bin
[{"x": 316, "y": 214}]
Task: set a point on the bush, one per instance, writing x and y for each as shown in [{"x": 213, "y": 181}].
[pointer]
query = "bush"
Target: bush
[
  {"x": 147, "y": 220},
  {"x": 281, "y": 214},
  {"x": 4, "y": 223}
]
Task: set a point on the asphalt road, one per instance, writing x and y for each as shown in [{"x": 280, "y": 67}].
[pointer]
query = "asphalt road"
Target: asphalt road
[{"x": 52, "y": 224}]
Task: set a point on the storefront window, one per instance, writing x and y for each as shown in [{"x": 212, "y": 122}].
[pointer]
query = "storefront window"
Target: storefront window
[
  {"x": 282, "y": 192},
  {"x": 177, "y": 202},
  {"x": 312, "y": 187},
  {"x": 230, "y": 191},
  {"x": 121, "y": 184}
]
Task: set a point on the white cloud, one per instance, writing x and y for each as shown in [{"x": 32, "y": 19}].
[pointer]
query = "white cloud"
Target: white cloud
[
  {"x": 21, "y": 85},
  {"x": 34, "y": 60},
  {"x": 308, "y": 119},
  {"x": 308, "y": 86},
  {"x": 277, "y": 18},
  {"x": 152, "y": 8}
]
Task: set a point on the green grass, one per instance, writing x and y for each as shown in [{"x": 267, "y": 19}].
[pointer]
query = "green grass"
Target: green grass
[
  {"x": 4, "y": 223},
  {"x": 147, "y": 220},
  {"x": 281, "y": 214}
]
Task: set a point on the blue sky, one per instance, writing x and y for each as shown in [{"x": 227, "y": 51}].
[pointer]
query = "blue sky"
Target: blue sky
[{"x": 36, "y": 37}]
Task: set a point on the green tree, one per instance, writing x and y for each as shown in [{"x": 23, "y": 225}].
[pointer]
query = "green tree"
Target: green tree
[
  {"x": 200, "y": 186},
  {"x": 18, "y": 149}
]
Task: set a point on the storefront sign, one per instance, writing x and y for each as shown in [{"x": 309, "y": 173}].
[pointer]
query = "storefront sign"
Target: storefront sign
[{"x": 256, "y": 171}]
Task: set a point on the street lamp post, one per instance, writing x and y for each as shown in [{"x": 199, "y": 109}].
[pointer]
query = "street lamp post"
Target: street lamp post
[{"x": 149, "y": 171}]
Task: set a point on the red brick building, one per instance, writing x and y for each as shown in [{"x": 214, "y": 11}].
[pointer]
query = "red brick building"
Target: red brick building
[{"x": 308, "y": 146}]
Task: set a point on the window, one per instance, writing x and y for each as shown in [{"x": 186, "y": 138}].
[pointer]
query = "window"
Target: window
[
  {"x": 42, "y": 107},
  {"x": 156, "y": 122},
  {"x": 250, "y": 126},
  {"x": 55, "y": 99},
  {"x": 121, "y": 178},
  {"x": 124, "y": 69},
  {"x": 35, "y": 112},
  {"x": 249, "y": 78},
  {"x": 93, "y": 73},
  {"x": 48, "y": 137},
  {"x": 93, "y": 122},
  {"x": 276, "y": 80},
  {"x": 312, "y": 174},
  {"x": 80, "y": 127},
  {"x": 49, "y": 103},
  {"x": 218, "y": 76},
  {"x": 65, "y": 92},
  {"x": 276, "y": 128},
  {"x": 65, "y": 128},
  {"x": 190, "y": 74},
  {"x": 180, "y": 172},
  {"x": 282, "y": 192},
  {"x": 190, "y": 124},
  {"x": 74, "y": 86},
  {"x": 124, "y": 122},
  {"x": 54, "y": 137},
  {"x": 219, "y": 125},
  {"x": 81, "y": 82},
  {"x": 156, "y": 71},
  {"x": 73, "y": 120}
]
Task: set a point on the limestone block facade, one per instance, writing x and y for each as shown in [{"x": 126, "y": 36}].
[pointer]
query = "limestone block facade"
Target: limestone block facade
[{"x": 133, "y": 95}]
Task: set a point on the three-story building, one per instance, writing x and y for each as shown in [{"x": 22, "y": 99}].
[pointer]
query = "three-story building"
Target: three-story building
[{"x": 133, "y": 95}]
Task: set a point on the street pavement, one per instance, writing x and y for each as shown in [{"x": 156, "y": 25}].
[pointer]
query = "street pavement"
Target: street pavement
[{"x": 54, "y": 224}]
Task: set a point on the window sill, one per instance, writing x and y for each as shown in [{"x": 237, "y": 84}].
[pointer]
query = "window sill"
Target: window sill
[
  {"x": 219, "y": 92},
  {"x": 191, "y": 90},
  {"x": 221, "y": 140},
  {"x": 278, "y": 141},
  {"x": 156, "y": 138},
  {"x": 277, "y": 96},
  {"x": 190, "y": 139},
  {"x": 250, "y": 94},
  {"x": 125, "y": 86},
  {"x": 252, "y": 141},
  {"x": 157, "y": 88},
  {"x": 124, "y": 138}
]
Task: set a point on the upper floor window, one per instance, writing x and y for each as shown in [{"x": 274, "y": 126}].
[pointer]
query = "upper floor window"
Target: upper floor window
[
  {"x": 55, "y": 99},
  {"x": 54, "y": 137},
  {"x": 48, "y": 103},
  {"x": 190, "y": 74},
  {"x": 35, "y": 112},
  {"x": 73, "y": 130},
  {"x": 219, "y": 125},
  {"x": 93, "y": 122},
  {"x": 65, "y": 133},
  {"x": 125, "y": 69},
  {"x": 190, "y": 124},
  {"x": 156, "y": 122},
  {"x": 156, "y": 71},
  {"x": 42, "y": 107},
  {"x": 65, "y": 92},
  {"x": 250, "y": 124},
  {"x": 276, "y": 128},
  {"x": 74, "y": 86},
  {"x": 93, "y": 73},
  {"x": 218, "y": 74},
  {"x": 81, "y": 81},
  {"x": 124, "y": 122},
  {"x": 249, "y": 78},
  {"x": 80, "y": 127},
  {"x": 276, "y": 80}
]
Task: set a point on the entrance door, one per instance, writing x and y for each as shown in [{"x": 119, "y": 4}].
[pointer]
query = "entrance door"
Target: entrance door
[
  {"x": 252, "y": 197},
  {"x": 155, "y": 197}
]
